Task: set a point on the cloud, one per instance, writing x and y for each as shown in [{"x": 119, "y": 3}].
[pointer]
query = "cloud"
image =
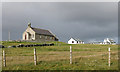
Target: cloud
[{"x": 86, "y": 21}]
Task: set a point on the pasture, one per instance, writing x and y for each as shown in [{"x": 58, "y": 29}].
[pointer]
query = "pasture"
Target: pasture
[{"x": 84, "y": 57}]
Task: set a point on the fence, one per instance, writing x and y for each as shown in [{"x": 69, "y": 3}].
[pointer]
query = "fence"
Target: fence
[{"x": 35, "y": 57}]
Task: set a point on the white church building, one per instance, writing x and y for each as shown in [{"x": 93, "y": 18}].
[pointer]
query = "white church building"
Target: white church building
[{"x": 75, "y": 41}]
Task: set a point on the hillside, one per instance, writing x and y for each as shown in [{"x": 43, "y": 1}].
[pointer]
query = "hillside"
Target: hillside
[{"x": 84, "y": 57}]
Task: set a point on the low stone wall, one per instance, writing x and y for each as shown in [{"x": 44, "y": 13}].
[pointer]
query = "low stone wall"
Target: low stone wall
[{"x": 28, "y": 45}]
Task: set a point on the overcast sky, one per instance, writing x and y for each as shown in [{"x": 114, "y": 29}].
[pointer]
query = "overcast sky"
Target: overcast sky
[{"x": 88, "y": 21}]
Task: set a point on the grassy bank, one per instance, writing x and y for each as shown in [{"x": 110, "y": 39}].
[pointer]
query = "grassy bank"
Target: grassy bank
[{"x": 85, "y": 57}]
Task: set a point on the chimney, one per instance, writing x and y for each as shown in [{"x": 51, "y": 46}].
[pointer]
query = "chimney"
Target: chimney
[{"x": 29, "y": 24}]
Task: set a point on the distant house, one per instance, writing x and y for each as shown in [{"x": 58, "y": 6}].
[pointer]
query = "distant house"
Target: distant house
[
  {"x": 75, "y": 41},
  {"x": 108, "y": 41},
  {"x": 36, "y": 34}
]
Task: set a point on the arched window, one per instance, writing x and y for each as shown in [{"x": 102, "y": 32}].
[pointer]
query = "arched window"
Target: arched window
[
  {"x": 25, "y": 36},
  {"x": 33, "y": 35}
]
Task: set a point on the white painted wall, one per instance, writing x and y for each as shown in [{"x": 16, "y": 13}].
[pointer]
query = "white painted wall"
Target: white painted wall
[
  {"x": 70, "y": 41},
  {"x": 75, "y": 42},
  {"x": 31, "y": 32},
  {"x": 82, "y": 43}
]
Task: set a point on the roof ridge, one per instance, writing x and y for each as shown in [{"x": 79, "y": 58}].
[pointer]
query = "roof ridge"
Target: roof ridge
[
  {"x": 42, "y": 31},
  {"x": 77, "y": 39},
  {"x": 53, "y": 34},
  {"x": 40, "y": 28}
]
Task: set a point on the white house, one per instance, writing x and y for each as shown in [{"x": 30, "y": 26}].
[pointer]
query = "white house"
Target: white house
[
  {"x": 108, "y": 41},
  {"x": 75, "y": 41}
]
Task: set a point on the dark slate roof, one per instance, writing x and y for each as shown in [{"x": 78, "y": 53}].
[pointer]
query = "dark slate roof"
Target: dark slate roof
[{"x": 42, "y": 31}]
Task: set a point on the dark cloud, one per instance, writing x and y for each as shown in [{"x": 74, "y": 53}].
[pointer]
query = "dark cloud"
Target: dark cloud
[
  {"x": 0, "y": 21},
  {"x": 84, "y": 20}
]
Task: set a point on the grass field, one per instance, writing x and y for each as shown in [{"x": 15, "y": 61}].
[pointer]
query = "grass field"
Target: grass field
[{"x": 85, "y": 57}]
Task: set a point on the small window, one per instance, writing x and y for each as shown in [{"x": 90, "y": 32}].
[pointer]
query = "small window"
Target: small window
[
  {"x": 45, "y": 37},
  {"x": 72, "y": 41},
  {"x": 40, "y": 36},
  {"x": 77, "y": 41},
  {"x": 50, "y": 37}
]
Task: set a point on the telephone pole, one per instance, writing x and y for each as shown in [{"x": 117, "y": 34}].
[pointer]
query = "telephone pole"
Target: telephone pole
[{"x": 8, "y": 36}]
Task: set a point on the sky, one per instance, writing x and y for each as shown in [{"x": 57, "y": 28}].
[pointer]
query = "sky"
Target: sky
[
  {"x": 88, "y": 21},
  {"x": 0, "y": 21}
]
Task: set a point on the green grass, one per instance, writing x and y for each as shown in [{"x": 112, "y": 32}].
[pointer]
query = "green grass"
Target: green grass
[
  {"x": 85, "y": 57},
  {"x": 9, "y": 43}
]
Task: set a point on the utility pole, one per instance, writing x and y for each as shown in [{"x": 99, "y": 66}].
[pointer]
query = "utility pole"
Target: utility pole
[{"x": 8, "y": 36}]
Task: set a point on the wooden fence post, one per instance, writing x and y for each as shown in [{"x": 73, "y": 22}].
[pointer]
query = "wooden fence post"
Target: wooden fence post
[
  {"x": 70, "y": 54},
  {"x": 35, "y": 57},
  {"x": 109, "y": 57},
  {"x": 4, "y": 59}
]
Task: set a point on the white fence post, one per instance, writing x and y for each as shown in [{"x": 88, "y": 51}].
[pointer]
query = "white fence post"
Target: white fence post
[
  {"x": 35, "y": 57},
  {"x": 4, "y": 59},
  {"x": 109, "y": 57},
  {"x": 70, "y": 54}
]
